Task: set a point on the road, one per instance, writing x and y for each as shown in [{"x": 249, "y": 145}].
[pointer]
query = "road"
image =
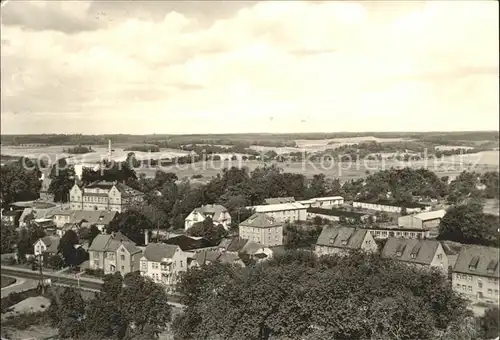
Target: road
[
  {"x": 60, "y": 279},
  {"x": 20, "y": 285}
]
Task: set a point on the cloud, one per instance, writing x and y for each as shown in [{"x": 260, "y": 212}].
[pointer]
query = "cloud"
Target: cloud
[{"x": 172, "y": 67}]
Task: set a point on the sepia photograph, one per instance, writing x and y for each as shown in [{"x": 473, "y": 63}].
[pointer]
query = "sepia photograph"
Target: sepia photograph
[{"x": 250, "y": 170}]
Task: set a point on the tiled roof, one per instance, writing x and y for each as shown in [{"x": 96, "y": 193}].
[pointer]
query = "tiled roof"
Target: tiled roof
[
  {"x": 336, "y": 212},
  {"x": 93, "y": 217},
  {"x": 213, "y": 210},
  {"x": 342, "y": 237},
  {"x": 260, "y": 220},
  {"x": 279, "y": 200},
  {"x": 410, "y": 250},
  {"x": 156, "y": 252},
  {"x": 205, "y": 257},
  {"x": 108, "y": 242},
  {"x": 478, "y": 260},
  {"x": 131, "y": 248},
  {"x": 125, "y": 190},
  {"x": 52, "y": 243}
]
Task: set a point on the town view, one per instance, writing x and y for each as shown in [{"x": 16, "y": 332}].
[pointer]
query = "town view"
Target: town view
[{"x": 243, "y": 170}]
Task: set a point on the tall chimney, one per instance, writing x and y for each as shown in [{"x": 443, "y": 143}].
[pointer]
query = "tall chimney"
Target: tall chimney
[
  {"x": 109, "y": 150},
  {"x": 146, "y": 237}
]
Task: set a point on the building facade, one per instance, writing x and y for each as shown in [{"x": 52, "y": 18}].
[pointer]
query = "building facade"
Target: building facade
[
  {"x": 426, "y": 221},
  {"x": 114, "y": 253},
  {"x": 323, "y": 202},
  {"x": 163, "y": 263},
  {"x": 392, "y": 207},
  {"x": 476, "y": 274},
  {"x": 420, "y": 253},
  {"x": 46, "y": 245},
  {"x": 283, "y": 212},
  {"x": 103, "y": 195},
  {"x": 342, "y": 240},
  {"x": 218, "y": 214},
  {"x": 263, "y": 229}
]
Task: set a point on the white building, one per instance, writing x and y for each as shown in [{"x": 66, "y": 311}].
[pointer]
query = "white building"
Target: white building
[
  {"x": 323, "y": 202},
  {"x": 218, "y": 214},
  {"x": 163, "y": 263},
  {"x": 47, "y": 244},
  {"x": 428, "y": 221},
  {"x": 411, "y": 207},
  {"x": 283, "y": 212}
]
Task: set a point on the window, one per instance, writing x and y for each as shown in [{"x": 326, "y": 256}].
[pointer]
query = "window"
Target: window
[
  {"x": 181, "y": 264},
  {"x": 490, "y": 291},
  {"x": 123, "y": 269},
  {"x": 496, "y": 291},
  {"x": 480, "y": 284},
  {"x": 155, "y": 265},
  {"x": 470, "y": 288},
  {"x": 122, "y": 257},
  {"x": 440, "y": 256}
]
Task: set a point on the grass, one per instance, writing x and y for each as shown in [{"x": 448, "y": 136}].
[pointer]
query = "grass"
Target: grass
[{"x": 7, "y": 281}]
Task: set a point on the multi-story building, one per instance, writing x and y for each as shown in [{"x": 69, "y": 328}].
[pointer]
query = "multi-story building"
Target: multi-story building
[
  {"x": 263, "y": 229},
  {"x": 163, "y": 263},
  {"x": 84, "y": 218},
  {"x": 103, "y": 195},
  {"x": 334, "y": 214},
  {"x": 393, "y": 207},
  {"x": 422, "y": 253},
  {"x": 476, "y": 273},
  {"x": 283, "y": 212},
  {"x": 279, "y": 200},
  {"x": 342, "y": 240},
  {"x": 218, "y": 214},
  {"x": 114, "y": 253}
]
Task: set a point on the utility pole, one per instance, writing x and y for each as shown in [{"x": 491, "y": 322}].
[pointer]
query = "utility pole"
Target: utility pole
[{"x": 40, "y": 263}]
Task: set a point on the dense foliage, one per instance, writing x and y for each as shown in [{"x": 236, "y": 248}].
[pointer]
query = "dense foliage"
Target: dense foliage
[
  {"x": 297, "y": 296},
  {"x": 129, "y": 308},
  {"x": 20, "y": 181},
  {"x": 62, "y": 177},
  {"x": 210, "y": 232},
  {"x": 79, "y": 150},
  {"x": 467, "y": 223}
]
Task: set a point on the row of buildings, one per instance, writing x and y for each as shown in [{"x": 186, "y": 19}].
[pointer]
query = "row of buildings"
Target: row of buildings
[{"x": 474, "y": 274}]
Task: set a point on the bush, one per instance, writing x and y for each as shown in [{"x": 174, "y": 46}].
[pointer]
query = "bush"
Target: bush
[
  {"x": 25, "y": 320},
  {"x": 94, "y": 272}
]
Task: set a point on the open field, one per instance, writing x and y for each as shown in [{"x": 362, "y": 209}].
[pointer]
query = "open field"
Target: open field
[{"x": 449, "y": 166}]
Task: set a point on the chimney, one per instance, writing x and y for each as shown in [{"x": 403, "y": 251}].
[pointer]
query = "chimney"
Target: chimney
[{"x": 146, "y": 237}]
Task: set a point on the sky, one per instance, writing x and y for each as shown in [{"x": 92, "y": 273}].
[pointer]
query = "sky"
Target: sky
[{"x": 144, "y": 67}]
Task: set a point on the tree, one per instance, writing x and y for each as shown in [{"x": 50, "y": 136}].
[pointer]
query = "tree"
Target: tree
[
  {"x": 210, "y": 232},
  {"x": 67, "y": 248},
  {"x": 20, "y": 181},
  {"x": 55, "y": 262},
  {"x": 88, "y": 234},
  {"x": 358, "y": 296},
  {"x": 467, "y": 223},
  {"x": 489, "y": 323},
  {"x": 8, "y": 238},
  {"x": 132, "y": 223},
  {"x": 62, "y": 178}
]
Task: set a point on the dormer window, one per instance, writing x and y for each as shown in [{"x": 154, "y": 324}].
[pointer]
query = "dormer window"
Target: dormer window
[
  {"x": 413, "y": 256},
  {"x": 344, "y": 242},
  {"x": 473, "y": 263},
  {"x": 400, "y": 249},
  {"x": 398, "y": 253},
  {"x": 492, "y": 266}
]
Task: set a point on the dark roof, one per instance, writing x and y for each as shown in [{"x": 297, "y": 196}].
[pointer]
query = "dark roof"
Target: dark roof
[
  {"x": 108, "y": 242},
  {"x": 93, "y": 216},
  {"x": 100, "y": 185},
  {"x": 342, "y": 237},
  {"x": 156, "y": 252},
  {"x": 16, "y": 213},
  {"x": 51, "y": 242},
  {"x": 336, "y": 212},
  {"x": 261, "y": 220},
  {"x": 188, "y": 243},
  {"x": 410, "y": 250},
  {"x": 279, "y": 200},
  {"x": 204, "y": 257},
  {"x": 478, "y": 260},
  {"x": 215, "y": 211},
  {"x": 394, "y": 204},
  {"x": 237, "y": 244},
  {"x": 125, "y": 190}
]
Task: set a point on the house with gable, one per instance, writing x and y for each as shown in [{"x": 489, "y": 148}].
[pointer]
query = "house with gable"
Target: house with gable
[
  {"x": 46, "y": 245},
  {"x": 114, "y": 253},
  {"x": 418, "y": 252},
  {"x": 218, "y": 214},
  {"x": 476, "y": 273},
  {"x": 342, "y": 240},
  {"x": 163, "y": 263},
  {"x": 238, "y": 245}
]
